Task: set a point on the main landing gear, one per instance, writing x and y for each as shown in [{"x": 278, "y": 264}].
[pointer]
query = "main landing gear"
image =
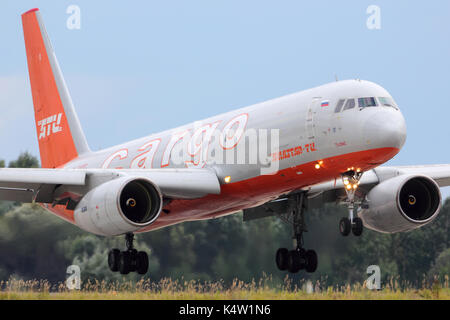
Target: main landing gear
[
  {"x": 128, "y": 261},
  {"x": 299, "y": 258},
  {"x": 351, "y": 180}
]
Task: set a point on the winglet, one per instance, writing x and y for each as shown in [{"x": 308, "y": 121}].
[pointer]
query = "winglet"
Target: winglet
[{"x": 59, "y": 132}]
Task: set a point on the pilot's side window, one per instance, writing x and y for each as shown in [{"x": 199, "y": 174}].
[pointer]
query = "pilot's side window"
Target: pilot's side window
[
  {"x": 350, "y": 104},
  {"x": 367, "y": 102},
  {"x": 339, "y": 106},
  {"x": 387, "y": 102}
]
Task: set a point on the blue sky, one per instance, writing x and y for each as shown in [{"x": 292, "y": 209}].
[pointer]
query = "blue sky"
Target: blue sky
[{"x": 145, "y": 66}]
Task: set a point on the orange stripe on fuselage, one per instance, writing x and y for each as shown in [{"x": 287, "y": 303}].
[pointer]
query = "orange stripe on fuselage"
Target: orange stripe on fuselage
[{"x": 258, "y": 190}]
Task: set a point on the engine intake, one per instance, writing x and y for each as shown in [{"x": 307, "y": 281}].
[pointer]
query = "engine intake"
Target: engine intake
[
  {"x": 139, "y": 201},
  {"x": 418, "y": 199},
  {"x": 123, "y": 205},
  {"x": 401, "y": 204}
]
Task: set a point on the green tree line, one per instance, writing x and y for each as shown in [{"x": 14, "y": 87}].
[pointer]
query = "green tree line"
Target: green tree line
[{"x": 34, "y": 244}]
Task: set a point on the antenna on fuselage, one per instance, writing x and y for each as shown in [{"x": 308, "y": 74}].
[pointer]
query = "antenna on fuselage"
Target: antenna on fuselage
[{"x": 336, "y": 77}]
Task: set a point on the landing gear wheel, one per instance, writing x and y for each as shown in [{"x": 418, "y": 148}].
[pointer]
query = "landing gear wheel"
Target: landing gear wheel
[
  {"x": 132, "y": 266},
  {"x": 311, "y": 261},
  {"x": 281, "y": 259},
  {"x": 124, "y": 262},
  {"x": 357, "y": 227},
  {"x": 297, "y": 259},
  {"x": 142, "y": 262},
  {"x": 129, "y": 260},
  {"x": 351, "y": 180},
  {"x": 345, "y": 226},
  {"x": 113, "y": 259},
  {"x": 294, "y": 262}
]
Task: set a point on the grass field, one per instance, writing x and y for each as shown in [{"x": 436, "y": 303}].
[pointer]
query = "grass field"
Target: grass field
[{"x": 168, "y": 289}]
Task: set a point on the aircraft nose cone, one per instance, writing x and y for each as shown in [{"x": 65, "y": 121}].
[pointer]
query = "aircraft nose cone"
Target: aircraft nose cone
[{"x": 386, "y": 129}]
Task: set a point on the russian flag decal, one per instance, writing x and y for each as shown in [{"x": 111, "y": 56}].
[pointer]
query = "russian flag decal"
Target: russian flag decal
[{"x": 325, "y": 104}]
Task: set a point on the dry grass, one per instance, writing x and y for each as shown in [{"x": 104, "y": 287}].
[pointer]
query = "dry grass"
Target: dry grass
[{"x": 168, "y": 289}]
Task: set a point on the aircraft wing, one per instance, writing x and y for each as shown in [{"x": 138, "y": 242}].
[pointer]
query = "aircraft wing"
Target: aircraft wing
[
  {"x": 439, "y": 173},
  {"x": 333, "y": 191},
  {"x": 51, "y": 185}
]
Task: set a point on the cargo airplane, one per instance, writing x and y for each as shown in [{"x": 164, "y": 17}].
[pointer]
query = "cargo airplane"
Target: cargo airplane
[{"x": 332, "y": 141}]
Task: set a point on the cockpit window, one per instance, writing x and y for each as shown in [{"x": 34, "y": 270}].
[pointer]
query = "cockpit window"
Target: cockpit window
[
  {"x": 367, "y": 102},
  {"x": 350, "y": 104},
  {"x": 387, "y": 102},
  {"x": 339, "y": 106}
]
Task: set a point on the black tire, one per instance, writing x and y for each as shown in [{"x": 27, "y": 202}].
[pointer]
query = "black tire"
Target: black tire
[
  {"x": 311, "y": 261},
  {"x": 142, "y": 262},
  {"x": 113, "y": 260},
  {"x": 282, "y": 259},
  {"x": 124, "y": 262},
  {"x": 345, "y": 226},
  {"x": 132, "y": 256},
  {"x": 357, "y": 227},
  {"x": 294, "y": 261}
]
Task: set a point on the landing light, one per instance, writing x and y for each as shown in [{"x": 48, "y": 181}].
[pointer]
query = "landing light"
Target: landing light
[
  {"x": 349, "y": 186},
  {"x": 317, "y": 166},
  {"x": 227, "y": 179}
]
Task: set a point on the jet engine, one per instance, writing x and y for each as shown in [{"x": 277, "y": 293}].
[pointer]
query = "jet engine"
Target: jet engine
[
  {"x": 401, "y": 204},
  {"x": 123, "y": 205}
]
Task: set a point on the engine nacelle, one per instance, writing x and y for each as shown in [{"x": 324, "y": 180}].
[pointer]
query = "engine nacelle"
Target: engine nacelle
[
  {"x": 401, "y": 204},
  {"x": 119, "y": 206}
]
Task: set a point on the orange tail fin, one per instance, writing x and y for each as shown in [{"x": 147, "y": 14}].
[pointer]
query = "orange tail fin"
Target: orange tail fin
[{"x": 60, "y": 136}]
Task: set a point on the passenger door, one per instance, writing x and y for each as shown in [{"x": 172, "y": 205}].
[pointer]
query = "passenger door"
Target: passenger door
[{"x": 311, "y": 113}]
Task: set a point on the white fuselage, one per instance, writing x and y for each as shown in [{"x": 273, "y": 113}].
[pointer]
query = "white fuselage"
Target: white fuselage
[{"x": 309, "y": 130}]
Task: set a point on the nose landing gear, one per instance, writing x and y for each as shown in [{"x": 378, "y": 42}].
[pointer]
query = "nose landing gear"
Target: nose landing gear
[
  {"x": 128, "y": 261},
  {"x": 299, "y": 258},
  {"x": 351, "y": 180}
]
